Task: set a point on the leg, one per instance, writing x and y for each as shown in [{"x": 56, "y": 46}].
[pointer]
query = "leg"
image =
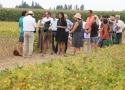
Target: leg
[
  {"x": 31, "y": 41},
  {"x": 53, "y": 47},
  {"x": 63, "y": 47},
  {"x": 77, "y": 50},
  {"x": 50, "y": 41},
  {"x": 88, "y": 44},
  {"x": 59, "y": 47},
  {"x": 41, "y": 40},
  {"x": 119, "y": 37},
  {"x": 66, "y": 41},
  {"x": 21, "y": 48},
  {"x": 45, "y": 41},
  {"x": 92, "y": 45},
  {"x": 25, "y": 44}
]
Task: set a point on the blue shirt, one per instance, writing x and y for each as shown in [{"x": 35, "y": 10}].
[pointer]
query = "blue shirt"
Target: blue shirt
[
  {"x": 113, "y": 27},
  {"x": 54, "y": 24},
  {"x": 21, "y": 24},
  {"x": 69, "y": 24}
]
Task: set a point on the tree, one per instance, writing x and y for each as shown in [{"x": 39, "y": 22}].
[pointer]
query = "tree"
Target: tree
[
  {"x": 25, "y": 5},
  {"x": 82, "y": 7},
  {"x": 65, "y": 7},
  {"x": 1, "y": 5},
  {"x": 32, "y": 4}
]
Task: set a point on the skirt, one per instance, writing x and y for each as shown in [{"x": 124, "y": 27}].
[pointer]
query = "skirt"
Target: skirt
[{"x": 77, "y": 40}]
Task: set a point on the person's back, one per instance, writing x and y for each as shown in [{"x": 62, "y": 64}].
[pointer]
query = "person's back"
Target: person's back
[
  {"x": 94, "y": 31},
  {"x": 21, "y": 24},
  {"x": 105, "y": 27},
  {"x": 29, "y": 23},
  {"x": 79, "y": 28}
]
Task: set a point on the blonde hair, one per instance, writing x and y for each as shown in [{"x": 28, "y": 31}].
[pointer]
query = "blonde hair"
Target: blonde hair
[
  {"x": 65, "y": 16},
  {"x": 96, "y": 19}
]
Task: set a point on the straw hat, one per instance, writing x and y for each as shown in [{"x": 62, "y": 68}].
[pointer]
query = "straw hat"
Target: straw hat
[
  {"x": 78, "y": 15},
  {"x": 31, "y": 12},
  {"x": 112, "y": 19}
]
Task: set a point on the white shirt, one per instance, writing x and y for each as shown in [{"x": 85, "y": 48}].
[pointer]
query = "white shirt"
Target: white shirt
[
  {"x": 29, "y": 23},
  {"x": 54, "y": 24},
  {"x": 119, "y": 23},
  {"x": 123, "y": 24},
  {"x": 83, "y": 26},
  {"x": 48, "y": 19}
]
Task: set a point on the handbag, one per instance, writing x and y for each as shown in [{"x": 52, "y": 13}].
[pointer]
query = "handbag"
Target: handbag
[
  {"x": 46, "y": 26},
  {"x": 107, "y": 42}
]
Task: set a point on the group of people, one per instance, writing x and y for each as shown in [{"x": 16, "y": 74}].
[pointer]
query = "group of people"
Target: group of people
[{"x": 58, "y": 33}]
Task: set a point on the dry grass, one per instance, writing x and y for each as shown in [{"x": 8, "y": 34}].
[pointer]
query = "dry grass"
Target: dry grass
[{"x": 7, "y": 46}]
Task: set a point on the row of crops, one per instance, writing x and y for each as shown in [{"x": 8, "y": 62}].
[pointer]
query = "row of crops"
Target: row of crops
[{"x": 14, "y": 14}]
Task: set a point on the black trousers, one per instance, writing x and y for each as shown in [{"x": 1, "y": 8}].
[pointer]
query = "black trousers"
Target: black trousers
[
  {"x": 54, "y": 43},
  {"x": 66, "y": 41},
  {"x": 119, "y": 38}
]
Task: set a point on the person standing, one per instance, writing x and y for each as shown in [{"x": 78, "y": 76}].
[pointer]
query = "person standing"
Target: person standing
[
  {"x": 29, "y": 25},
  {"x": 69, "y": 25},
  {"x": 83, "y": 31},
  {"x": 94, "y": 32},
  {"x": 77, "y": 36},
  {"x": 104, "y": 31},
  {"x": 88, "y": 25},
  {"x": 61, "y": 34},
  {"x": 119, "y": 29},
  {"x": 54, "y": 31},
  {"x": 40, "y": 32},
  {"x": 21, "y": 38},
  {"x": 47, "y": 22}
]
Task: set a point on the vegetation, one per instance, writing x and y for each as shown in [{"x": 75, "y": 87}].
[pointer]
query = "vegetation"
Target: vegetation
[
  {"x": 101, "y": 70},
  {"x": 15, "y": 14}
]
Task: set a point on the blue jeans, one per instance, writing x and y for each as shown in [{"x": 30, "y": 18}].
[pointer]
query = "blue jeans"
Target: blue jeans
[{"x": 94, "y": 39}]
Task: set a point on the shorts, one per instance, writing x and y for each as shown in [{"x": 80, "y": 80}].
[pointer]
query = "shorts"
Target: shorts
[
  {"x": 94, "y": 39},
  {"x": 48, "y": 36},
  {"x": 21, "y": 38}
]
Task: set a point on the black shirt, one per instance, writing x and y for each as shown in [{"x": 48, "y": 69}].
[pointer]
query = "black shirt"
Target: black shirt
[{"x": 94, "y": 30}]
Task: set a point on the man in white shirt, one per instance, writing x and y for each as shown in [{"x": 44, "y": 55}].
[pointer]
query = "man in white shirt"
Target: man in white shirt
[
  {"x": 47, "y": 22},
  {"x": 119, "y": 28},
  {"x": 54, "y": 30},
  {"x": 29, "y": 25}
]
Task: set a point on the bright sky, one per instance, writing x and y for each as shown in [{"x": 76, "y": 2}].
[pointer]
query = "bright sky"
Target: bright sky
[{"x": 103, "y": 5}]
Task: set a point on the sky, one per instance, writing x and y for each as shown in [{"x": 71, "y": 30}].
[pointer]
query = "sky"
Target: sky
[{"x": 97, "y": 5}]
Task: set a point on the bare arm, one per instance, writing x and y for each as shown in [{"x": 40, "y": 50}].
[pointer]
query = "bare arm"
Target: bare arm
[
  {"x": 38, "y": 25},
  {"x": 74, "y": 28}
]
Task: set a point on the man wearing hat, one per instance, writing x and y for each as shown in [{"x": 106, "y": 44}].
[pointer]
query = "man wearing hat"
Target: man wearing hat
[
  {"x": 112, "y": 28},
  {"x": 29, "y": 24}
]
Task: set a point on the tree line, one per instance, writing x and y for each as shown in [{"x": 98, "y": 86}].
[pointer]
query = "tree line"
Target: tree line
[
  {"x": 69, "y": 7},
  {"x": 25, "y": 5}
]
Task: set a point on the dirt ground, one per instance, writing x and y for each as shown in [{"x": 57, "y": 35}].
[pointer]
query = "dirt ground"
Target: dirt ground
[{"x": 14, "y": 61}]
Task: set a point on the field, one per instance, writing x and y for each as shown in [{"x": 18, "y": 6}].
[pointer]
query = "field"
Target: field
[
  {"x": 15, "y": 14},
  {"x": 100, "y": 70}
]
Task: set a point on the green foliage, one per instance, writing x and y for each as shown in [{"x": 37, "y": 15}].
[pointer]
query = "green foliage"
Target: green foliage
[
  {"x": 101, "y": 70},
  {"x": 15, "y": 14}
]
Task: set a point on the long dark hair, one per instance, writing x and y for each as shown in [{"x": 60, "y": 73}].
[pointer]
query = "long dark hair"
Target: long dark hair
[{"x": 62, "y": 19}]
